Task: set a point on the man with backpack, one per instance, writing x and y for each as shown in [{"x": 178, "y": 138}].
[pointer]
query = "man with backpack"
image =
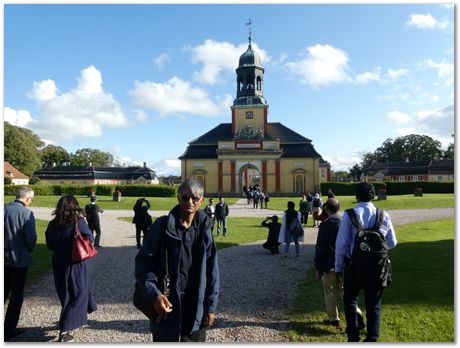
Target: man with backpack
[{"x": 364, "y": 237}]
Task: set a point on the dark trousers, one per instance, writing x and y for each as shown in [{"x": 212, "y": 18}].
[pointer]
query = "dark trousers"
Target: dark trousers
[
  {"x": 15, "y": 282},
  {"x": 272, "y": 247},
  {"x": 304, "y": 217},
  {"x": 96, "y": 229},
  {"x": 373, "y": 302},
  {"x": 140, "y": 229}
]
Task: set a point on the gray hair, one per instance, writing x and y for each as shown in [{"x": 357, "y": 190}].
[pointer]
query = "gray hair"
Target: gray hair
[
  {"x": 195, "y": 187},
  {"x": 24, "y": 192}
]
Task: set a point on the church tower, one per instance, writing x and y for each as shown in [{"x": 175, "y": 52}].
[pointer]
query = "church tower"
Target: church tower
[{"x": 249, "y": 109}]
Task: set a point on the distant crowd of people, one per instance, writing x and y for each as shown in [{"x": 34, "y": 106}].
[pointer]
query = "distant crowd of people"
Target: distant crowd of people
[{"x": 176, "y": 267}]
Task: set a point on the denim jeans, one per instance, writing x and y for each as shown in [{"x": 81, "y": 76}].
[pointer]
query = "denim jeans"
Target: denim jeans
[
  {"x": 290, "y": 239},
  {"x": 222, "y": 223}
]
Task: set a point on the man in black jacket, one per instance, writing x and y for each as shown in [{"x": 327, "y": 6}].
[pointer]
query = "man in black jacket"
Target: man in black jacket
[
  {"x": 221, "y": 216},
  {"x": 325, "y": 258},
  {"x": 92, "y": 211}
]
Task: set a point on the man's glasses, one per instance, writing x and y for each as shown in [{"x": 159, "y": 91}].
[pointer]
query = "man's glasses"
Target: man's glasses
[{"x": 186, "y": 198}]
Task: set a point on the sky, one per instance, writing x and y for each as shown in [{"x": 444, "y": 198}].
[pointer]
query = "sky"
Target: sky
[{"x": 142, "y": 81}]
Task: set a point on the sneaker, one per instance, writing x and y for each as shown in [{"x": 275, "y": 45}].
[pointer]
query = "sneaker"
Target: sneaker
[{"x": 66, "y": 336}]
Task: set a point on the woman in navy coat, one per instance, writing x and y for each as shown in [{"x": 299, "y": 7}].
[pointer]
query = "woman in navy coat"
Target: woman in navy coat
[{"x": 71, "y": 280}]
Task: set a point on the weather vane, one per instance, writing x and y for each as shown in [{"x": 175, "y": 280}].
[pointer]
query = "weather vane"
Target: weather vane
[{"x": 249, "y": 24}]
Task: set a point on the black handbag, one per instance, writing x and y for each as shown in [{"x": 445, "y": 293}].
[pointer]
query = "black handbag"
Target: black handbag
[{"x": 145, "y": 305}]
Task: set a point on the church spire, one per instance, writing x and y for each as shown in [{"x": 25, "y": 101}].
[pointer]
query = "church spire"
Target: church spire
[{"x": 249, "y": 24}]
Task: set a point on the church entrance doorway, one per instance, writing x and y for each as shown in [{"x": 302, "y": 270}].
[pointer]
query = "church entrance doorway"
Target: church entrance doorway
[{"x": 249, "y": 175}]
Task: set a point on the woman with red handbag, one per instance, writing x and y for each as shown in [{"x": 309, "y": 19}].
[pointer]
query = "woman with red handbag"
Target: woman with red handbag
[{"x": 71, "y": 278}]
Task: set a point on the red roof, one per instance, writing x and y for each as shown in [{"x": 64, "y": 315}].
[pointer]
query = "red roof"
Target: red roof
[{"x": 8, "y": 168}]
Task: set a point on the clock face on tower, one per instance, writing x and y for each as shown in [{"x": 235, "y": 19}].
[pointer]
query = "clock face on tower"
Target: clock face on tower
[{"x": 249, "y": 115}]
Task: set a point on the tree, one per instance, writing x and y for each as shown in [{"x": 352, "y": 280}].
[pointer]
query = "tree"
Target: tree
[
  {"x": 21, "y": 148},
  {"x": 368, "y": 159},
  {"x": 94, "y": 157},
  {"x": 385, "y": 152},
  {"x": 355, "y": 172},
  {"x": 415, "y": 147},
  {"x": 449, "y": 153},
  {"x": 54, "y": 155},
  {"x": 340, "y": 176}
]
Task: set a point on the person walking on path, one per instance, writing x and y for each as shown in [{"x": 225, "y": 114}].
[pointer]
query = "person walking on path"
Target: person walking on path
[
  {"x": 274, "y": 227},
  {"x": 141, "y": 219},
  {"x": 291, "y": 229},
  {"x": 20, "y": 237},
  {"x": 92, "y": 211},
  {"x": 325, "y": 258},
  {"x": 305, "y": 209},
  {"x": 266, "y": 199},
  {"x": 221, "y": 216},
  {"x": 210, "y": 209},
  {"x": 366, "y": 215},
  {"x": 182, "y": 243},
  {"x": 71, "y": 280},
  {"x": 317, "y": 204}
]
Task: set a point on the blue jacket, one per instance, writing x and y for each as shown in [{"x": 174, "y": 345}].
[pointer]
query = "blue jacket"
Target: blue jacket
[
  {"x": 150, "y": 270},
  {"x": 20, "y": 235}
]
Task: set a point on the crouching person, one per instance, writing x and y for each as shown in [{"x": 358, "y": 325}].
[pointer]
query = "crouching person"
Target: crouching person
[{"x": 180, "y": 246}]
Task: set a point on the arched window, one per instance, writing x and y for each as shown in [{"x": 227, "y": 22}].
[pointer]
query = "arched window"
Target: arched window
[
  {"x": 240, "y": 85},
  {"x": 259, "y": 83},
  {"x": 250, "y": 82}
]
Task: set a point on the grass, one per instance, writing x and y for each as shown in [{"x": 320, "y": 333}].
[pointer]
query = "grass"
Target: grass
[
  {"x": 240, "y": 231},
  {"x": 41, "y": 255},
  {"x": 429, "y": 200},
  {"x": 418, "y": 307},
  {"x": 106, "y": 202}
]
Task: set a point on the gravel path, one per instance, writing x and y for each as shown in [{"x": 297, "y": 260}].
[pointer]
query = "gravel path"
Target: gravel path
[{"x": 253, "y": 304}]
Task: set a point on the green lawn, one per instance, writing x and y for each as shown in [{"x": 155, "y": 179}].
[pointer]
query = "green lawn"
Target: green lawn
[
  {"x": 41, "y": 256},
  {"x": 418, "y": 307},
  {"x": 106, "y": 202},
  {"x": 429, "y": 200}
]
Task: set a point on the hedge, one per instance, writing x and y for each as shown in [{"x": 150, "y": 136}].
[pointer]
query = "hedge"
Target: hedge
[
  {"x": 393, "y": 188},
  {"x": 101, "y": 190}
]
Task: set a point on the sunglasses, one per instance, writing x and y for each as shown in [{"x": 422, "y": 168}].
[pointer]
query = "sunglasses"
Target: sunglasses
[{"x": 186, "y": 198}]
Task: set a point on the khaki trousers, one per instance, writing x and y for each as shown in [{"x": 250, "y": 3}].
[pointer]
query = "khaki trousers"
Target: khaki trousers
[{"x": 332, "y": 290}]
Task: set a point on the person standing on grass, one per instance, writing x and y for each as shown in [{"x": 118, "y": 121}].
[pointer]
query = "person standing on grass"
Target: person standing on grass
[
  {"x": 92, "y": 211},
  {"x": 366, "y": 214},
  {"x": 181, "y": 245},
  {"x": 20, "y": 237},
  {"x": 72, "y": 280},
  {"x": 210, "y": 209},
  {"x": 221, "y": 216}
]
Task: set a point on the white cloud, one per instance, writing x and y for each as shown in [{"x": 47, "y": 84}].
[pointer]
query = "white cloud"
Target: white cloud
[
  {"x": 368, "y": 77},
  {"x": 19, "y": 118},
  {"x": 344, "y": 163},
  {"x": 162, "y": 60},
  {"x": 396, "y": 74},
  {"x": 177, "y": 96},
  {"x": 399, "y": 117},
  {"x": 426, "y": 21},
  {"x": 217, "y": 57},
  {"x": 438, "y": 123},
  {"x": 79, "y": 113},
  {"x": 323, "y": 66},
  {"x": 44, "y": 90},
  {"x": 167, "y": 166}
]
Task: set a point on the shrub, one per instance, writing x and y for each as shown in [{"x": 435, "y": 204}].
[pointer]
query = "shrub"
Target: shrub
[
  {"x": 147, "y": 190},
  {"x": 7, "y": 180},
  {"x": 34, "y": 180}
]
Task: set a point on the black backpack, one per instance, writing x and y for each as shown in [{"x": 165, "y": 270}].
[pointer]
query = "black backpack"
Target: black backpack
[{"x": 370, "y": 265}]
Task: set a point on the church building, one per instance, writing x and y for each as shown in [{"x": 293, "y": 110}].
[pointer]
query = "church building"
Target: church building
[{"x": 250, "y": 150}]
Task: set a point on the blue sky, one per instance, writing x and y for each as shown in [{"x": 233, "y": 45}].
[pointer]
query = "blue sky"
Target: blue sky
[{"x": 141, "y": 81}]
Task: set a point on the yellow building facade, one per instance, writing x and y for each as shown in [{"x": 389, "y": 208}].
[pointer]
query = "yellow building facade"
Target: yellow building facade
[{"x": 250, "y": 150}]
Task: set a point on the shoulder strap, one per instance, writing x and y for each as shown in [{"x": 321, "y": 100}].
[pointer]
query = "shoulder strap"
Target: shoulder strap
[
  {"x": 354, "y": 219},
  {"x": 378, "y": 221}
]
